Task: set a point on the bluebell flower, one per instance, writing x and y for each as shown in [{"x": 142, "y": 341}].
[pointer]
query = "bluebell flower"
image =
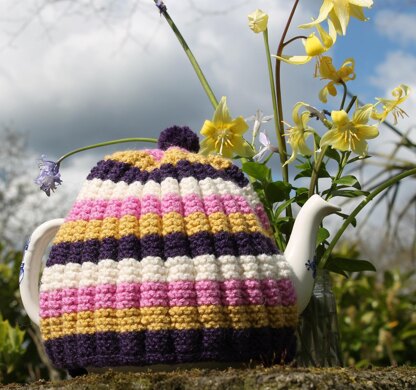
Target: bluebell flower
[
  {"x": 311, "y": 266},
  {"x": 161, "y": 6},
  {"x": 49, "y": 175}
]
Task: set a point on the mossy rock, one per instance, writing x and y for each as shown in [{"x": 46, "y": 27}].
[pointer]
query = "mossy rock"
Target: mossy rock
[{"x": 249, "y": 378}]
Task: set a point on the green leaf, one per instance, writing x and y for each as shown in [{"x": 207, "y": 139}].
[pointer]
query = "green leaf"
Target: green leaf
[
  {"x": 308, "y": 172},
  {"x": 345, "y": 216},
  {"x": 303, "y": 166},
  {"x": 358, "y": 158},
  {"x": 258, "y": 171},
  {"x": 285, "y": 224},
  {"x": 408, "y": 334},
  {"x": 278, "y": 191},
  {"x": 301, "y": 195},
  {"x": 283, "y": 206},
  {"x": 333, "y": 267},
  {"x": 322, "y": 235},
  {"x": 351, "y": 265},
  {"x": 349, "y": 193},
  {"x": 333, "y": 154},
  {"x": 349, "y": 180}
]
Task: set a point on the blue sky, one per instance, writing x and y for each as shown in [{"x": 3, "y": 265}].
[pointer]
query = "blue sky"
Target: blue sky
[{"x": 371, "y": 42}]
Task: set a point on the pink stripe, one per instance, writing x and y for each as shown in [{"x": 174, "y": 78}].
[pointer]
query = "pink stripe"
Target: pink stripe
[
  {"x": 89, "y": 209},
  {"x": 155, "y": 153},
  {"x": 269, "y": 292}
]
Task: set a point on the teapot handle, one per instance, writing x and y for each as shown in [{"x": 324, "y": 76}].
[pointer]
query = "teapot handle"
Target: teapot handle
[{"x": 31, "y": 264}]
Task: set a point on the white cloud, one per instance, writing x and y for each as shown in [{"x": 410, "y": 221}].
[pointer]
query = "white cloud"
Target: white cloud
[
  {"x": 85, "y": 75},
  {"x": 398, "y": 26},
  {"x": 398, "y": 68}
]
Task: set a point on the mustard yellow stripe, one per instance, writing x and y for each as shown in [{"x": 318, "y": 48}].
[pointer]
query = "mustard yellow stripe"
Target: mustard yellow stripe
[
  {"x": 136, "y": 158},
  {"x": 144, "y": 161},
  {"x": 152, "y": 223},
  {"x": 165, "y": 318}
]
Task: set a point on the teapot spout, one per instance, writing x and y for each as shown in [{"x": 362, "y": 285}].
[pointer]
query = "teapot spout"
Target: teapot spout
[{"x": 300, "y": 250}]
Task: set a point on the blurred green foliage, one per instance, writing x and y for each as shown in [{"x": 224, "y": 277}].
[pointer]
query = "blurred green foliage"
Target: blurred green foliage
[
  {"x": 11, "y": 347},
  {"x": 377, "y": 318},
  {"x": 19, "y": 357}
]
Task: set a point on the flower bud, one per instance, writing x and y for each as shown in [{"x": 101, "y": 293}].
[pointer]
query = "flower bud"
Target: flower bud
[{"x": 257, "y": 21}]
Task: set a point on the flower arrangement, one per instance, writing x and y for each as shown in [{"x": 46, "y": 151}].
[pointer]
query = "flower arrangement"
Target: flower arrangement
[{"x": 323, "y": 144}]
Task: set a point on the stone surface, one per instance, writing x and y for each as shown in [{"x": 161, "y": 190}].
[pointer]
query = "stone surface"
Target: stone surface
[{"x": 248, "y": 378}]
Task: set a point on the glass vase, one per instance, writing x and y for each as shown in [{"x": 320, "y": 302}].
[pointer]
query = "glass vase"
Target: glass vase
[{"x": 318, "y": 332}]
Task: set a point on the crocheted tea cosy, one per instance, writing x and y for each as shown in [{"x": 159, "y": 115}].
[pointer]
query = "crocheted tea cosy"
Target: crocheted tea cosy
[{"x": 167, "y": 256}]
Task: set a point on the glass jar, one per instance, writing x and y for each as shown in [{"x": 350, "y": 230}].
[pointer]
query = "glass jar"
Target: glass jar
[{"x": 318, "y": 332}]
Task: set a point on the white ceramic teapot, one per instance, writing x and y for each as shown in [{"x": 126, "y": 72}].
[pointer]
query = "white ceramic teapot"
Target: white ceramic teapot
[{"x": 167, "y": 257}]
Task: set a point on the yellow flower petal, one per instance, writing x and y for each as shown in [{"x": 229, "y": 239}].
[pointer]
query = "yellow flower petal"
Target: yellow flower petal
[
  {"x": 298, "y": 134},
  {"x": 224, "y": 135},
  {"x": 362, "y": 3},
  {"x": 326, "y": 68},
  {"x": 342, "y": 12},
  {"x": 368, "y": 132},
  {"x": 327, "y": 40},
  {"x": 257, "y": 21},
  {"x": 400, "y": 94},
  {"x": 313, "y": 46},
  {"x": 323, "y": 93},
  {"x": 351, "y": 134},
  {"x": 360, "y": 148},
  {"x": 326, "y": 8},
  {"x": 339, "y": 118},
  {"x": 357, "y": 12},
  {"x": 239, "y": 126},
  {"x": 221, "y": 114},
  {"x": 208, "y": 129},
  {"x": 362, "y": 114},
  {"x": 294, "y": 60},
  {"x": 339, "y": 13}
]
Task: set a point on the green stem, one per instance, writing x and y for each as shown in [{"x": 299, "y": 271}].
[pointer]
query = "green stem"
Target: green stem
[
  {"x": 191, "y": 58},
  {"x": 117, "y": 141},
  {"x": 276, "y": 116},
  {"x": 316, "y": 168},
  {"x": 344, "y": 95},
  {"x": 354, "y": 98},
  {"x": 352, "y": 216},
  {"x": 344, "y": 161},
  {"x": 294, "y": 39},
  {"x": 278, "y": 89}
]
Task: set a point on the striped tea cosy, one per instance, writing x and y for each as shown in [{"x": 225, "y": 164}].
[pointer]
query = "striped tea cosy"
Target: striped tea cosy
[{"x": 166, "y": 257}]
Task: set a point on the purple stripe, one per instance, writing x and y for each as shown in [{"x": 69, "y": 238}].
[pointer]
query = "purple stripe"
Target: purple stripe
[
  {"x": 118, "y": 171},
  {"x": 171, "y": 245},
  {"x": 107, "y": 349}
]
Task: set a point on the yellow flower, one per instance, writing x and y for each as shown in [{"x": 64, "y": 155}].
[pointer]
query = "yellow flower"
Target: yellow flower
[
  {"x": 314, "y": 46},
  {"x": 257, "y": 21},
  {"x": 326, "y": 70},
  {"x": 224, "y": 135},
  {"x": 298, "y": 134},
  {"x": 349, "y": 134},
  {"x": 400, "y": 93},
  {"x": 339, "y": 12}
]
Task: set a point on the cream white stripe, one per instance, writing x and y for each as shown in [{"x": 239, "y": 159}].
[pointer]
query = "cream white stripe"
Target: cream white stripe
[
  {"x": 106, "y": 189},
  {"x": 154, "y": 269}
]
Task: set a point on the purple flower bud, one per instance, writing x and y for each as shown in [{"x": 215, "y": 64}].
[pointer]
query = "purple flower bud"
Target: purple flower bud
[
  {"x": 162, "y": 7},
  {"x": 49, "y": 175}
]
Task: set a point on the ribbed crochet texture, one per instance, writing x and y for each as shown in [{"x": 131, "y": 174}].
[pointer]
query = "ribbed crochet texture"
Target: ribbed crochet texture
[{"x": 166, "y": 257}]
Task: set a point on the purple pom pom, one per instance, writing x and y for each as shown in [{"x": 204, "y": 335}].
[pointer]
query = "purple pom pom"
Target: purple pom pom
[{"x": 183, "y": 137}]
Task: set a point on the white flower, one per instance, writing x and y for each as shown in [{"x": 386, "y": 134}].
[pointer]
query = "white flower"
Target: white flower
[
  {"x": 267, "y": 147},
  {"x": 258, "y": 119}
]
